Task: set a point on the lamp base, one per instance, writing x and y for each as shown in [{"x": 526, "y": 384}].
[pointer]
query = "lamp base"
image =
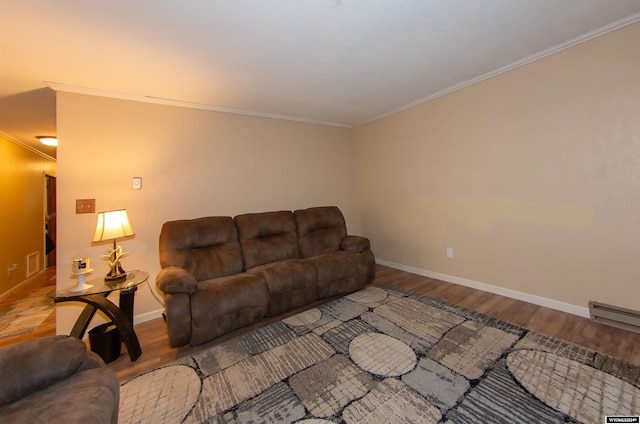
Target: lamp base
[
  {"x": 113, "y": 278},
  {"x": 116, "y": 273}
]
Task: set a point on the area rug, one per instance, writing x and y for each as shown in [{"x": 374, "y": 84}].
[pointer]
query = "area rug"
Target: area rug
[
  {"x": 385, "y": 355},
  {"x": 25, "y": 315}
]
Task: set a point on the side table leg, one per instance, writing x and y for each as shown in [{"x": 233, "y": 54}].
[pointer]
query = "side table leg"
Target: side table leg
[
  {"x": 126, "y": 302},
  {"x": 122, "y": 322},
  {"x": 83, "y": 320}
]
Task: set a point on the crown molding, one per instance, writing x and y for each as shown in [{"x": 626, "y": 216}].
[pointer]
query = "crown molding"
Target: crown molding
[
  {"x": 631, "y": 19},
  {"x": 180, "y": 103},
  {"x": 25, "y": 146}
]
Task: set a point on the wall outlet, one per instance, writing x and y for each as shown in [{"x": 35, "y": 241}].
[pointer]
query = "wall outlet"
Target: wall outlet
[
  {"x": 450, "y": 252},
  {"x": 12, "y": 268}
]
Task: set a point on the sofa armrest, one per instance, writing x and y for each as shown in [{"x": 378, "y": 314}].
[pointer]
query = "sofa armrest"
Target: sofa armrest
[
  {"x": 175, "y": 280},
  {"x": 355, "y": 244},
  {"x": 178, "y": 307},
  {"x": 93, "y": 360},
  {"x": 36, "y": 364}
]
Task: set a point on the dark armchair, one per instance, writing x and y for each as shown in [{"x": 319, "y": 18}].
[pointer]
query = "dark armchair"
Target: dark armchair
[{"x": 56, "y": 380}]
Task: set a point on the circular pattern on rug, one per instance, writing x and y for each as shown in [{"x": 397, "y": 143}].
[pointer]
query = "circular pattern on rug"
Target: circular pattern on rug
[
  {"x": 315, "y": 421},
  {"x": 578, "y": 390},
  {"x": 368, "y": 295},
  {"x": 382, "y": 355},
  {"x": 304, "y": 318},
  {"x": 177, "y": 387}
]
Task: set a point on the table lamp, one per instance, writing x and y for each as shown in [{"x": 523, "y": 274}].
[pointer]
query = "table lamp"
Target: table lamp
[{"x": 111, "y": 226}]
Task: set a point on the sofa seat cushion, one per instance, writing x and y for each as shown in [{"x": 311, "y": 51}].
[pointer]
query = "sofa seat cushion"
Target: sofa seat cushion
[
  {"x": 340, "y": 272},
  {"x": 90, "y": 396},
  {"x": 291, "y": 283},
  {"x": 226, "y": 303}
]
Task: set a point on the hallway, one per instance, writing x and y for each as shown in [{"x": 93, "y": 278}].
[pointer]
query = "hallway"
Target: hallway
[{"x": 46, "y": 279}]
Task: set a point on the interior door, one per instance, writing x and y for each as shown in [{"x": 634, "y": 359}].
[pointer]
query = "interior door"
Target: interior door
[{"x": 50, "y": 221}]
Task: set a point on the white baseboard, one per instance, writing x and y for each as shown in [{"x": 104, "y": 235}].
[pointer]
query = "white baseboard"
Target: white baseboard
[
  {"x": 513, "y": 294},
  {"x": 148, "y": 316},
  {"x": 19, "y": 285}
]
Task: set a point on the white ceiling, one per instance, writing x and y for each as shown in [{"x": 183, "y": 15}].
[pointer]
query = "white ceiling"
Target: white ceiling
[{"x": 342, "y": 62}]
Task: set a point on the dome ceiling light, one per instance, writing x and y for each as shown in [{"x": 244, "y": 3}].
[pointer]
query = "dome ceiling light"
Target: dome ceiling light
[{"x": 48, "y": 140}]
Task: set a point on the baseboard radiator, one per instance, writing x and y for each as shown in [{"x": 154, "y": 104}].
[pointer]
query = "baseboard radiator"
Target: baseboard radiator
[{"x": 615, "y": 316}]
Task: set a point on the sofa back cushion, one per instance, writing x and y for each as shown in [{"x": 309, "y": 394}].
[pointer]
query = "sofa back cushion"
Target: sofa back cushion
[
  {"x": 267, "y": 237},
  {"x": 206, "y": 247},
  {"x": 320, "y": 230}
]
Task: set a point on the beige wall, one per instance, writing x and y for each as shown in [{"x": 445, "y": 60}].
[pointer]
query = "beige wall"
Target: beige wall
[
  {"x": 193, "y": 163},
  {"x": 532, "y": 177},
  {"x": 22, "y": 190}
]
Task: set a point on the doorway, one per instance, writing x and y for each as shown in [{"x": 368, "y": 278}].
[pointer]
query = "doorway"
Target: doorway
[{"x": 50, "y": 222}]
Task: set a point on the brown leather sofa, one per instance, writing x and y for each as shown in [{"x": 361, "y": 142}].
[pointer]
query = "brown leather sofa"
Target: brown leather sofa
[
  {"x": 56, "y": 380},
  {"x": 221, "y": 273}
]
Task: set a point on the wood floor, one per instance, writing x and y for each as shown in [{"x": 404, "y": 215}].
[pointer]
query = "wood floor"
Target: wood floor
[
  {"x": 48, "y": 328},
  {"x": 612, "y": 341}
]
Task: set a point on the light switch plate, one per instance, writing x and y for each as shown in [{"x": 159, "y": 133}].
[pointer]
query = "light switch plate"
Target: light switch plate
[
  {"x": 85, "y": 205},
  {"x": 136, "y": 183}
]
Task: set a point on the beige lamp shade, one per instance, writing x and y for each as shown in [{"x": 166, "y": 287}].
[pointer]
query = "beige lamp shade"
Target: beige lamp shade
[{"x": 112, "y": 225}]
